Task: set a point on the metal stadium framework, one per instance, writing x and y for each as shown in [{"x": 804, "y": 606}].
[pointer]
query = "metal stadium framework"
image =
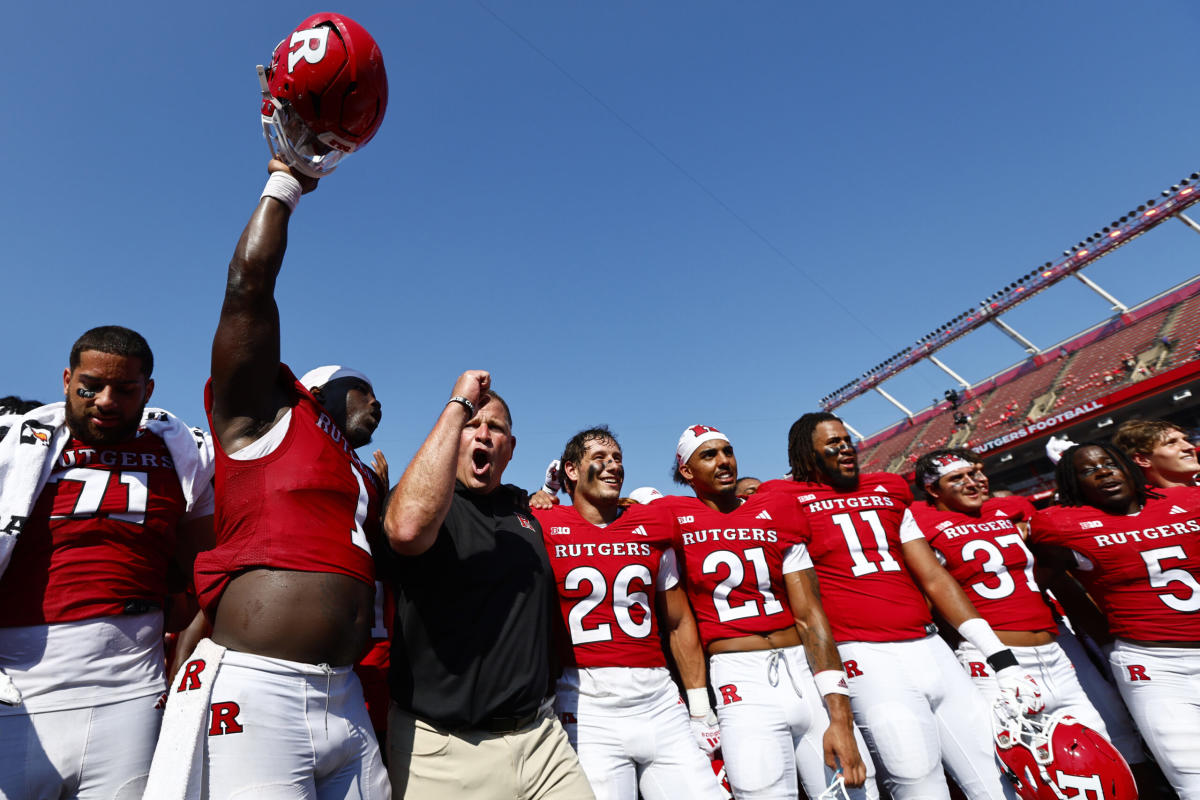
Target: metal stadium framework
[{"x": 1119, "y": 232}]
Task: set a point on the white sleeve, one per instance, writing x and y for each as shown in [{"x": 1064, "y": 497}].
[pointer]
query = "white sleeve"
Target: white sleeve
[
  {"x": 796, "y": 558},
  {"x": 668, "y": 571},
  {"x": 204, "y": 505},
  {"x": 909, "y": 530}
]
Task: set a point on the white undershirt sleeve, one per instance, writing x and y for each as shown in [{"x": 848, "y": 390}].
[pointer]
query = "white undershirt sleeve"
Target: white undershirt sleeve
[
  {"x": 668, "y": 571},
  {"x": 796, "y": 558}
]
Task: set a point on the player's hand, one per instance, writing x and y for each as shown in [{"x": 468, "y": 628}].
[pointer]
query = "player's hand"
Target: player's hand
[
  {"x": 542, "y": 501},
  {"x": 380, "y": 465},
  {"x": 1019, "y": 693},
  {"x": 842, "y": 751},
  {"x": 553, "y": 477},
  {"x": 707, "y": 732},
  {"x": 307, "y": 184},
  {"x": 473, "y": 385}
]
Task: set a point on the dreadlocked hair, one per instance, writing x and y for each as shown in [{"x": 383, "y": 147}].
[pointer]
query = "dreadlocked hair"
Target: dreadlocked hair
[
  {"x": 802, "y": 456},
  {"x": 1070, "y": 493}
]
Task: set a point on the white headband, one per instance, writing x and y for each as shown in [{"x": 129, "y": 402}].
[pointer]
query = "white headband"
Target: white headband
[
  {"x": 691, "y": 439},
  {"x": 323, "y": 375},
  {"x": 944, "y": 466}
]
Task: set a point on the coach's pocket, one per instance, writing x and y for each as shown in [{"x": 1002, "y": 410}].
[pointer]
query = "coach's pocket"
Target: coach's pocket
[{"x": 427, "y": 740}]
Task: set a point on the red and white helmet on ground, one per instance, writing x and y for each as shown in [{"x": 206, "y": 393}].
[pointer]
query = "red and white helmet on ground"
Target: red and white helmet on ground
[
  {"x": 324, "y": 93},
  {"x": 1056, "y": 757}
]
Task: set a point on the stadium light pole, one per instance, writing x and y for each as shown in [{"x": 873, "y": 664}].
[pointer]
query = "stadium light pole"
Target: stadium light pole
[
  {"x": 949, "y": 372},
  {"x": 1117, "y": 305},
  {"x": 894, "y": 402},
  {"x": 853, "y": 432},
  {"x": 1029, "y": 346}
]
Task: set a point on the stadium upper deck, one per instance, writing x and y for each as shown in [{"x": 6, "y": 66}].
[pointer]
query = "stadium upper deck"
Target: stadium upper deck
[{"x": 1136, "y": 363}]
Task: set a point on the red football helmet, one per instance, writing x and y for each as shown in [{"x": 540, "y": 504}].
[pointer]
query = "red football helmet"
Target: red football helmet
[
  {"x": 1056, "y": 757},
  {"x": 324, "y": 93}
]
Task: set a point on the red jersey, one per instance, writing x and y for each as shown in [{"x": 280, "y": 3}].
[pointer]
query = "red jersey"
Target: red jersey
[
  {"x": 372, "y": 668},
  {"x": 309, "y": 505},
  {"x": 732, "y": 564},
  {"x": 607, "y": 581},
  {"x": 1014, "y": 507},
  {"x": 100, "y": 534},
  {"x": 989, "y": 559},
  {"x": 855, "y": 545},
  {"x": 1143, "y": 570}
]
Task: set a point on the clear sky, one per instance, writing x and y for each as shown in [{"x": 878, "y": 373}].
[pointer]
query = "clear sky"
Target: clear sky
[{"x": 646, "y": 214}]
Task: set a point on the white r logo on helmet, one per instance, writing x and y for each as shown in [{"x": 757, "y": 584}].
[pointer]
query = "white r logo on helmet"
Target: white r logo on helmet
[{"x": 309, "y": 45}]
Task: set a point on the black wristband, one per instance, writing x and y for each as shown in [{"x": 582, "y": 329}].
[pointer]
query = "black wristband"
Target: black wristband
[{"x": 1002, "y": 659}]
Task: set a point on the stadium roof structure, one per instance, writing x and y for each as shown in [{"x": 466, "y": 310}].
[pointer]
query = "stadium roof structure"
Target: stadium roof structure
[
  {"x": 1146, "y": 359},
  {"x": 1109, "y": 238}
]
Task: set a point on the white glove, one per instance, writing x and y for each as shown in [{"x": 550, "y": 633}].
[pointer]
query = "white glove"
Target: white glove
[
  {"x": 10, "y": 695},
  {"x": 706, "y": 731},
  {"x": 1019, "y": 693},
  {"x": 553, "y": 481}
]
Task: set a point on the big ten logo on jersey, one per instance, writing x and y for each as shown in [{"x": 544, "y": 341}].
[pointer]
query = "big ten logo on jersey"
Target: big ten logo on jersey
[
  {"x": 309, "y": 45},
  {"x": 560, "y": 530},
  {"x": 224, "y": 718}
]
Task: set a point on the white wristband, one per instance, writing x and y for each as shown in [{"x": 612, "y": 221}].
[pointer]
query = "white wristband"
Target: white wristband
[
  {"x": 697, "y": 700},
  {"x": 831, "y": 681},
  {"x": 981, "y": 636},
  {"x": 284, "y": 188}
]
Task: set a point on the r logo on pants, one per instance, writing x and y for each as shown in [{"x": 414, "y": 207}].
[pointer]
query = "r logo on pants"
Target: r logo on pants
[
  {"x": 729, "y": 694},
  {"x": 224, "y": 719}
]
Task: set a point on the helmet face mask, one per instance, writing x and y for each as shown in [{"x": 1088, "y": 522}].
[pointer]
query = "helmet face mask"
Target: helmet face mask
[
  {"x": 324, "y": 93},
  {"x": 1055, "y": 757}
]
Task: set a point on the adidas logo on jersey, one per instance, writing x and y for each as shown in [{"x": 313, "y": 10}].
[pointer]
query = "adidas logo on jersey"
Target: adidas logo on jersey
[
  {"x": 762, "y": 515},
  {"x": 999, "y": 513},
  {"x": 1091, "y": 523},
  {"x": 1177, "y": 510},
  {"x": 560, "y": 530},
  {"x": 640, "y": 530},
  {"x": 880, "y": 488}
]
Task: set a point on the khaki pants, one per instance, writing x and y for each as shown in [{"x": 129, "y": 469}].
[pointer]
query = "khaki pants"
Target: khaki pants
[{"x": 427, "y": 763}]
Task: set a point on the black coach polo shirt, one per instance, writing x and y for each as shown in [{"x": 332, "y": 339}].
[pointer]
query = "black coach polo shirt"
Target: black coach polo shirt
[{"x": 472, "y": 638}]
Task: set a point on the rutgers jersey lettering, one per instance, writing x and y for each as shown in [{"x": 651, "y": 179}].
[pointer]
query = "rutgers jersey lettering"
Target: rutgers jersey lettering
[
  {"x": 607, "y": 579},
  {"x": 1143, "y": 570},
  {"x": 732, "y": 564},
  {"x": 989, "y": 559},
  {"x": 309, "y": 505},
  {"x": 867, "y": 593},
  {"x": 101, "y": 533}
]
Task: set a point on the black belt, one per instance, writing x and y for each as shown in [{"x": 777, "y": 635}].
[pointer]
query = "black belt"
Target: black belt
[{"x": 507, "y": 724}]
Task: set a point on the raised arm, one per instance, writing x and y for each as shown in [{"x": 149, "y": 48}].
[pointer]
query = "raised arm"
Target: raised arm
[
  {"x": 804, "y": 597},
  {"x": 245, "y": 356},
  {"x": 418, "y": 506}
]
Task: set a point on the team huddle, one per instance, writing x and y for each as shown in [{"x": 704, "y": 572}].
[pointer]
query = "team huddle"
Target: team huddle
[{"x": 252, "y": 610}]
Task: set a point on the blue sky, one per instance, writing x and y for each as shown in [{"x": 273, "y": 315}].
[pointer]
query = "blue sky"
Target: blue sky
[{"x": 645, "y": 214}]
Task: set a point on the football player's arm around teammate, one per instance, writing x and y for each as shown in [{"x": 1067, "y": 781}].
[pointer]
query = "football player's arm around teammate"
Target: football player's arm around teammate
[{"x": 804, "y": 596}]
